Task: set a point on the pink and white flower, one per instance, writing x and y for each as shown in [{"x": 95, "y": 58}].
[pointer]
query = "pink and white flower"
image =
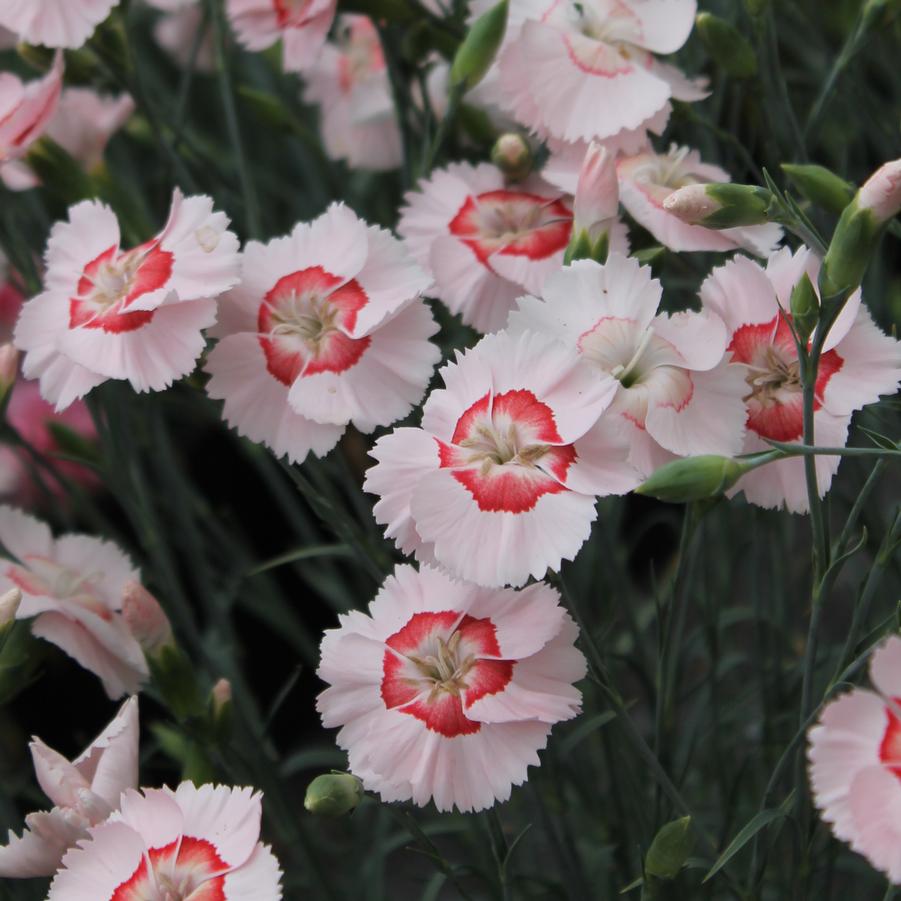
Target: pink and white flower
[
  {"x": 486, "y": 242},
  {"x": 500, "y": 481},
  {"x": 446, "y": 691},
  {"x": 72, "y": 586},
  {"x": 648, "y": 178},
  {"x": 585, "y": 70},
  {"x": 326, "y": 328},
  {"x": 26, "y": 109},
  {"x": 109, "y": 313},
  {"x": 198, "y": 842},
  {"x": 84, "y": 793},
  {"x": 349, "y": 82},
  {"x": 677, "y": 394},
  {"x": 859, "y": 363},
  {"x": 54, "y": 23},
  {"x": 855, "y": 763},
  {"x": 301, "y": 26},
  {"x": 82, "y": 125}
]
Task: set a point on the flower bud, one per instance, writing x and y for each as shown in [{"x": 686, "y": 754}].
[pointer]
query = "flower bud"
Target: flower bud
[
  {"x": 670, "y": 849},
  {"x": 476, "y": 54},
  {"x": 9, "y": 370},
  {"x": 146, "y": 620},
  {"x": 221, "y": 706},
  {"x": 512, "y": 155},
  {"x": 333, "y": 794},
  {"x": 805, "y": 308},
  {"x": 820, "y": 186},
  {"x": 726, "y": 45},
  {"x": 719, "y": 205},
  {"x": 858, "y": 230},
  {"x": 9, "y": 606},
  {"x": 693, "y": 478},
  {"x": 595, "y": 206}
]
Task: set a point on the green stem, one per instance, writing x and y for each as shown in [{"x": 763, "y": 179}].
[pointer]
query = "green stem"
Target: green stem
[{"x": 499, "y": 849}]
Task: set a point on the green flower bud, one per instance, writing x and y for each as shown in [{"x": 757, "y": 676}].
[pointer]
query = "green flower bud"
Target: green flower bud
[
  {"x": 805, "y": 308},
  {"x": 670, "y": 849},
  {"x": 820, "y": 186},
  {"x": 720, "y": 205},
  {"x": 512, "y": 155},
  {"x": 693, "y": 478},
  {"x": 40, "y": 58},
  {"x": 727, "y": 46},
  {"x": 333, "y": 794},
  {"x": 583, "y": 247},
  {"x": 756, "y": 8},
  {"x": 476, "y": 54}
]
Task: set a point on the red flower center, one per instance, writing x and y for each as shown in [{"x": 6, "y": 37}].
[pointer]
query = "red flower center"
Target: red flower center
[
  {"x": 774, "y": 400},
  {"x": 304, "y": 321},
  {"x": 512, "y": 223},
  {"x": 438, "y": 665},
  {"x": 507, "y": 453},
  {"x": 186, "y": 868},
  {"x": 113, "y": 281}
]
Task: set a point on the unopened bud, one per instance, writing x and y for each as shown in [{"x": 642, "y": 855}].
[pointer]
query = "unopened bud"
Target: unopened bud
[
  {"x": 512, "y": 155},
  {"x": 693, "y": 478},
  {"x": 146, "y": 620},
  {"x": 727, "y": 46},
  {"x": 476, "y": 54},
  {"x": 333, "y": 794},
  {"x": 858, "y": 230},
  {"x": 221, "y": 694},
  {"x": 719, "y": 205},
  {"x": 820, "y": 186},
  {"x": 40, "y": 58},
  {"x": 9, "y": 370},
  {"x": 9, "y": 606},
  {"x": 595, "y": 206},
  {"x": 670, "y": 849},
  {"x": 805, "y": 308}
]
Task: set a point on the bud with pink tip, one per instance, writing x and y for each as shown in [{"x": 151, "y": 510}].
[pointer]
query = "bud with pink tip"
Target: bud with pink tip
[
  {"x": 719, "y": 205},
  {"x": 512, "y": 155},
  {"x": 9, "y": 606},
  {"x": 881, "y": 192},
  {"x": 9, "y": 369},
  {"x": 595, "y": 206},
  {"x": 221, "y": 695},
  {"x": 146, "y": 620}
]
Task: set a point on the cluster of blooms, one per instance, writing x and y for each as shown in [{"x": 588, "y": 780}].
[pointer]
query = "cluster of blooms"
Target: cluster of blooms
[{"x": 105, "y": 840}]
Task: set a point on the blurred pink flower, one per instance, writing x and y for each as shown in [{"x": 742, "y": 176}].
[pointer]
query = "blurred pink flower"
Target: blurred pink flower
[
  {"x": 176, "y": 33},
  {"x": 500, "y": 482},
  {"x": 677, "y": 393},
  {"x": 579, "y": 71},
  {"x": 648, "y": 178},
  {"x": 485, "y": 242},
  {"x": 138, "y": 314},
  {"x": 301, "y": 26},
  {"x": 349, "y": 82},
  {"x": 84, "y": 791},
  {"x": 855, "y": 763},
  {"x": 859, "y": 364},
  {"x": 72, "y": 586},
  {"x": 446, "y": 691},
  {"x": 327, "y": 328},
  {"x": 198, "y": 842},
  {"x": 82, "y": 125},
  {"x": 26, "y": 109},
  {"x": 54, "y": 23}
]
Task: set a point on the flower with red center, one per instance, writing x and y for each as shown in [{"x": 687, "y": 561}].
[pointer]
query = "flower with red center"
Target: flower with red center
[
  {"x": 855, "y": 763},
  {"x": 485, "y": 242},
  {"x": 197, "y": 843},
  {"x": 72, "y": 586},
  {"x": 126, "y": 314},
  {"x": 350, "y": 84},
  {"x": 500, "y": 482},
  {"x": 858, "y": 364},
  {"x": 677, "y": 393},
  {"x": 326, "y": 328},
  {"x": 54, "y": 23},
  {"x": 587, "y": 70},
  {"x": 648, "y": 178},
  {"x": 82, "y": 124},
  {"x": 301, "y": 26},
  {"x": 446, "y": 691},
  {"x": 26, "y": 109},
  {"x": 84, "y": 793}
]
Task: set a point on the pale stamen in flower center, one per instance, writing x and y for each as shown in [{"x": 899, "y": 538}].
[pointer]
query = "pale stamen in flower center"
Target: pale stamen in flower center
[
  {"x": 114, "y": 279},
  {"x": 495, "y": 447},
  {"x": 309, "y": 317},
  {"x": 444, "y": 671},
  {"x": 773, "y": 375},
  {"x": 626, "y": 374}
]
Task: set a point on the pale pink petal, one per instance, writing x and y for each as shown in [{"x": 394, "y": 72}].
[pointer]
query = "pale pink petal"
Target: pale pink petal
[
  {"x": 55, "y": 23},
  {"x": 111, "y": 760},
  {"x": 153, "y": 814},
  {"x": 259, "y": 879},
  {"x": 740, "y": 293},
  {"x": 665, "y": 24},
  {"x": 885, "y": 667},
  {"x": 21, "y": 534},
  {"x": 875, "y": 801},
  {"x": 46, "y": 838}
]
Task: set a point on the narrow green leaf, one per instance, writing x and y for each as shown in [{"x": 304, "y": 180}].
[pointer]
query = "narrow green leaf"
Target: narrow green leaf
[{"x": 303, "y": 553}]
